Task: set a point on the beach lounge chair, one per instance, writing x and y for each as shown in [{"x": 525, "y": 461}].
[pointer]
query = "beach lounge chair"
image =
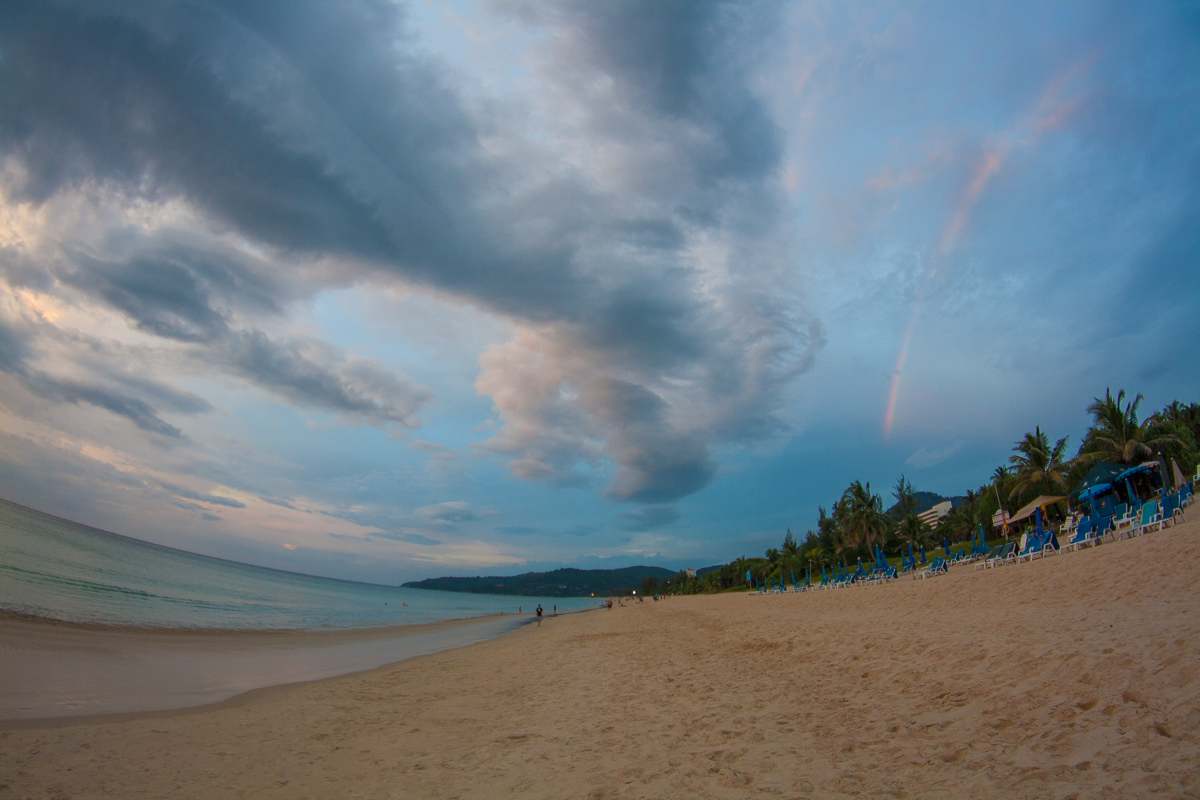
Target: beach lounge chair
[
  {"x": 938, "y": 566},
  {"x": 1172, "y": 509},
  {"x": 1033, "y": 547},
  {"x": 992, "y": 554},
  {"x": 1151, "y": 519},
  {"x": 1007, "y": 555},
  {"x": 1085, "y": 535},
  {"x": 1105, "y": 527}
]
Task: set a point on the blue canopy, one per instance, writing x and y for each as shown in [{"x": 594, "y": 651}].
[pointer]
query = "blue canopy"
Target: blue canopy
[{"x": 1099, "y": 480}]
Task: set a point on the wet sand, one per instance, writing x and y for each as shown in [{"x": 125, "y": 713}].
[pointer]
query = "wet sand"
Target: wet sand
[
  {"x": 1072, "y": 676},
  {"x": 55, "y": 669}
]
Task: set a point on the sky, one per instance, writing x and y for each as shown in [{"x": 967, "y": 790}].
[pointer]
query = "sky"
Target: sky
[{"x": 385, "y": 291}]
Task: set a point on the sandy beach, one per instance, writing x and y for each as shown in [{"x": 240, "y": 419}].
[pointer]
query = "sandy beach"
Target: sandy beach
[{"x": 1072, "y": 676}]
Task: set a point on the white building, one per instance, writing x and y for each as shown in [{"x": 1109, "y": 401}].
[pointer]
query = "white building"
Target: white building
[{"x": 933, "y": 516}]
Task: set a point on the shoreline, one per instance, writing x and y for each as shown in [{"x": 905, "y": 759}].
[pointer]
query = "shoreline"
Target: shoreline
[
  {"x": 1071, "y": 676},
  {"x": 92, "y": 670}
]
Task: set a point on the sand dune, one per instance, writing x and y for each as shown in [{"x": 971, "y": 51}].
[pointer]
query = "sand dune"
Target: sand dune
[{"x": 1073, "y": 676}]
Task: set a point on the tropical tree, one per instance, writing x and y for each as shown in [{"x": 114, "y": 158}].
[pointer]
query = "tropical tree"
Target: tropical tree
[
  {"x": 1117, "y": 436},
  {"x": 914, "y": 531},
  {"x": 864, "y": 521},
  {"x": 1038, "y": 465},
  {"x": 906, "y": 498},
  {"x": 791, "y": 548},
  {"x": 833, "y": 531}
]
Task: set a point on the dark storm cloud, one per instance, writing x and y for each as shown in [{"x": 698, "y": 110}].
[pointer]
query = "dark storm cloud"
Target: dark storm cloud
[
  {"x": 678, "y": 60},
  {"x": 320, "y": 134},
  {"x": 176, "y": 295}
]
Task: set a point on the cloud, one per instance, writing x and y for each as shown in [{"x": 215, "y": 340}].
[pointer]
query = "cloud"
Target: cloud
[
  {"x": 234, "y": 161},
  {"x": 928, "y": 457},
  {"x": 191, "y": 494},
  {"x": 275, "y": 501},
  {"x": 454, "y": 511},
  {"x": 16, "y": 348}
]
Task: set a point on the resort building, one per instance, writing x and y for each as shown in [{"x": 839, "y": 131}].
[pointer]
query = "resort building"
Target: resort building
[{"x": 933, "y": 516}]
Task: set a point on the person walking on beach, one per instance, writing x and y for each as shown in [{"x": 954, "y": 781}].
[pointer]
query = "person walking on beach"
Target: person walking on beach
[{"x": 539, "y": 615}]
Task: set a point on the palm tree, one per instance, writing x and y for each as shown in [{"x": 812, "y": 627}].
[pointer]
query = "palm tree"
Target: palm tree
[
  {"x": 865, "y": 521},
  {"x": 1116, "y": 434},
  {"x": 1037, "y": 464},
  {"x": 913, "y": 530}
]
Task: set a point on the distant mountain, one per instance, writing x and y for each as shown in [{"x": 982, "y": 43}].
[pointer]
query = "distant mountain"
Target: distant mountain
[{"x": 559, "y": 583}]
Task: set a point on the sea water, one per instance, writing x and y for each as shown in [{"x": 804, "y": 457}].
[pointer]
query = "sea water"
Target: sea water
[{"x": 58, "y": 569}]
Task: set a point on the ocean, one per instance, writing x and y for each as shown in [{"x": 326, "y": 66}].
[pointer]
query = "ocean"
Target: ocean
[{"x": 58, "y": 569}]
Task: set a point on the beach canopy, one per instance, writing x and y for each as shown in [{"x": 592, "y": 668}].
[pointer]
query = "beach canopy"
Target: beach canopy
[
  {"x": 1040, "y": 502},
  {"x": 1098, "y": 480}
]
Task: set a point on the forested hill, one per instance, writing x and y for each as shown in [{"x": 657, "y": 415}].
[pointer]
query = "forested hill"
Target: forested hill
[{"x": 559, "y": 583}]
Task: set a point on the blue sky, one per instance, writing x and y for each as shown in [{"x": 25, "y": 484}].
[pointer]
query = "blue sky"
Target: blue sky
[{"x": 386, "y": 291}]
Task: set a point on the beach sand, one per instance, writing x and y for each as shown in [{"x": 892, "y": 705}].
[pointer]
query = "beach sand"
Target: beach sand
[{"x": 1072, "y": 676}]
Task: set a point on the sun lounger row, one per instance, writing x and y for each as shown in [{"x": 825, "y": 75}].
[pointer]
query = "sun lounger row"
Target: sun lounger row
[{"x": 1152, "y": 515}]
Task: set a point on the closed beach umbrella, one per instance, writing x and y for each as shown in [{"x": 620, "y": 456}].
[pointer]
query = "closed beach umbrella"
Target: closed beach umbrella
[
  {"x": 912, "y": 557},
  {"x": 982, "y": 541},
  {"x": 807, "y": 576},
  {"x": 922, "y": 554},
  {"x": 1177, "y": 473},
  {"x": 824, "y": 577},
  {"x": 946, "y": 546},
  {"x": 1162, "y": 471}
]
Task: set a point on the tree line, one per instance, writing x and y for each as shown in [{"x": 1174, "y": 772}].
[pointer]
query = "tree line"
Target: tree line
[{"x": 856, "y": 522}]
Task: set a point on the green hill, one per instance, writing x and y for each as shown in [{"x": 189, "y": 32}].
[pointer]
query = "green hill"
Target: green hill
[{"x": 559, "y": 583}]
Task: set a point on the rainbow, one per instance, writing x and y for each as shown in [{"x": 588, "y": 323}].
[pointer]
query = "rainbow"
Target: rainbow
[{"x": 1048, "y": 114}]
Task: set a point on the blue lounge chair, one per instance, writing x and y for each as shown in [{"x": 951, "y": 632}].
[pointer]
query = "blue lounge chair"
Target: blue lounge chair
[
  {"x": 1172, "y": 509},
  {"x": 1151, "y": 519},
  {"x": 1033, "y": 546},
  {"x": 1085, "y": 534}
]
